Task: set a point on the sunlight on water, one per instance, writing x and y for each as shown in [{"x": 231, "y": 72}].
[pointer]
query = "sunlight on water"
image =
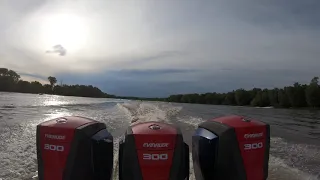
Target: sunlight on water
[{"x": 54, "y": 101}]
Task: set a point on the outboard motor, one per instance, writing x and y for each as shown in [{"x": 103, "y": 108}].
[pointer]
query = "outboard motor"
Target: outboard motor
[
  {"x": 71, "y": 148},
  {"x": 233, "y": 148},
  {"x": 153, "y": 151}
]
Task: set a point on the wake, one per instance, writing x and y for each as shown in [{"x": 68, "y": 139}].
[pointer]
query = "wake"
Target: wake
[{"x": 144, "y": 112}]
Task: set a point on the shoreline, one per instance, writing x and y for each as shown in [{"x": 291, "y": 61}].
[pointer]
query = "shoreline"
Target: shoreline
[
  {"x": 165, "y": 100},
  {"x": 297, "y": 96}
]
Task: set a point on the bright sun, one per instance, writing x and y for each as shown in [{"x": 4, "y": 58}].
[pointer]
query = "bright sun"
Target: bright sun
[{"x": 67, "y": 30}]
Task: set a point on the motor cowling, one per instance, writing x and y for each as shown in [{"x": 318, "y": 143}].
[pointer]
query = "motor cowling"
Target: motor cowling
[
  {"x": 74, "y": 147},
  {"x": 153, "y": 151},
  {"x": 231, "y": 147}
]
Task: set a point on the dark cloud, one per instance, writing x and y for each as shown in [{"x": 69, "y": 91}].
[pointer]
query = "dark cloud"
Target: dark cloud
[
  {"x": 144, "y": 58},
  {"x": 135, "y": 82},
  {"x": 151, "y": 72},
  {"x": 153, "y": 89},
  {"x": 58, "y": 49},
  {"x": 277, "y": 14},
  {"x": 33, "y": 75},
  {"x": 141, "y": 83}
]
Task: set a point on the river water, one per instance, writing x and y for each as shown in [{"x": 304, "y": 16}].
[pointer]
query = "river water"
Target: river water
[{"x": 295, "y": 141}]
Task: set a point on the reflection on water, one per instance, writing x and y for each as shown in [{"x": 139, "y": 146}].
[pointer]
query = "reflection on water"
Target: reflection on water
[{"x": 53, "y": 102}]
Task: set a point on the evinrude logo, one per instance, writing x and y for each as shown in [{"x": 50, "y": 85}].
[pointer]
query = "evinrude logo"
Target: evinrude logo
[
  {"x": 155, "y": 145},
  {"x": 154, "y": 127},
  {"x": 52, "y": 136},
  {"x": 247, "y": 136}
]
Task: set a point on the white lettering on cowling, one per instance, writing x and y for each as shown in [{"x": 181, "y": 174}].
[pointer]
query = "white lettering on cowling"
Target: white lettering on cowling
[
  {"x": 52, "y": 136},
  {"x": 155, "y": 145},
  {"x": 253, "y": 135},
  {"x": 155, "y": 157}
]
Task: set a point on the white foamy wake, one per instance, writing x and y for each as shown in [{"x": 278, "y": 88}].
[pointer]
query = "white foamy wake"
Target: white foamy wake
[
  {"x": 193, "y": 121},
  {"x": 19, "y": 159},
  {"x": 279, "y": 170},
  {"x": 144, "y": 112}
]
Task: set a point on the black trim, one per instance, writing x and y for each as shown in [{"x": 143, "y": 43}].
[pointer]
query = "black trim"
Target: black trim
[
  {"x": 80, "y": 146},
  {"x": 120, "y": 159},
  {"x": 204, "y": 153},
  {"x": 39, "y": 155},
  {"x": 267, "y": 151},
  {"x": 229, "y": 161},
  {"x": 178, "y": 156},
  {"x": 130, "y": 170},
  {"x": 180, "y": 162},
  {"x": 186, "y": 169},
  {"x": 102, "y": 155},
  {"x": 228, "y": 164}
]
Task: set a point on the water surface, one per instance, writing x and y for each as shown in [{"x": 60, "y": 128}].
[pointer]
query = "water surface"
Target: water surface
[{"x": 295, "y": 144}]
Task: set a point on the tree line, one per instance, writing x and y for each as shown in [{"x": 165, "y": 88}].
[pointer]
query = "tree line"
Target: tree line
[
  {"x": 10, "y": 81},
  {"x": 296, "y": 96}
]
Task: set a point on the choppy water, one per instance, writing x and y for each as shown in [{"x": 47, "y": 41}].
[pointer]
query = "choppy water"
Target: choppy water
[{"x": 295, "y": 142}]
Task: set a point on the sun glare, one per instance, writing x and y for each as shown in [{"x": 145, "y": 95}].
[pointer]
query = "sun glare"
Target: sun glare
[{"x": 67, "y": 30}]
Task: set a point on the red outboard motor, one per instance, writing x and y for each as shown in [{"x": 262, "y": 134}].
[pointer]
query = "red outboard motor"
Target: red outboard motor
[
  {"x": 71, "y": 148},
  {"x": 153, "y": 151},
  {"x": 233, "y": 148}
]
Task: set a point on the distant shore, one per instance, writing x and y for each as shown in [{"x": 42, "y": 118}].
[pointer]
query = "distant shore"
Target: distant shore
[
  {"x": 297, "y": 96},
  {"x": 10, "y": 82},
  {"x": 166, "y": 100}
]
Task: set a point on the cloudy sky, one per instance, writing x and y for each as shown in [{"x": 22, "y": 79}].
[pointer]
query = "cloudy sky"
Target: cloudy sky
[{"x": 156, "y": 48}]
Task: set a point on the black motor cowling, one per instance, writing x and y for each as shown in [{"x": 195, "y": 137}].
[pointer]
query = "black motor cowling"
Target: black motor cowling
[
  {"x": 231, "y": 148},
  {"x": 70, "y": 148}
]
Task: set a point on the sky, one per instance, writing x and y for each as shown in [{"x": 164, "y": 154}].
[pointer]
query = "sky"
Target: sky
[{"x": 157, "y": 48}]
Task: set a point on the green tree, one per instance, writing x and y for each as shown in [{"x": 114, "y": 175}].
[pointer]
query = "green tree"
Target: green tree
[
  {"x": 36, "y": 87},
  {"x": 15, "y": 77},
  {"x": 175, "y": 98},
  {"x": 8, "y": 79},
  {"x": 47, "y": 88},
  {"x": 313, "y": 93},
  {"x": 230, "y": 99},
  {"x": 3, "y": 71},
  {"x": 52, "y": 81},
  {"x": 273, "y": 97},
  {"x": 296, "y": 95},
  {"x": 242, "y": 97},
  {"x": 283, "y": 98},
  {"x": 23, "y": 86},
  {"x": 254, "y": 92},
  {"x": 261, "y": 99}
]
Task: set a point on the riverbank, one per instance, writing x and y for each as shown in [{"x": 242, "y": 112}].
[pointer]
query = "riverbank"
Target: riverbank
[
  {"x": 10, "y": 81},
  {"x": 295, "y": 96}
]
